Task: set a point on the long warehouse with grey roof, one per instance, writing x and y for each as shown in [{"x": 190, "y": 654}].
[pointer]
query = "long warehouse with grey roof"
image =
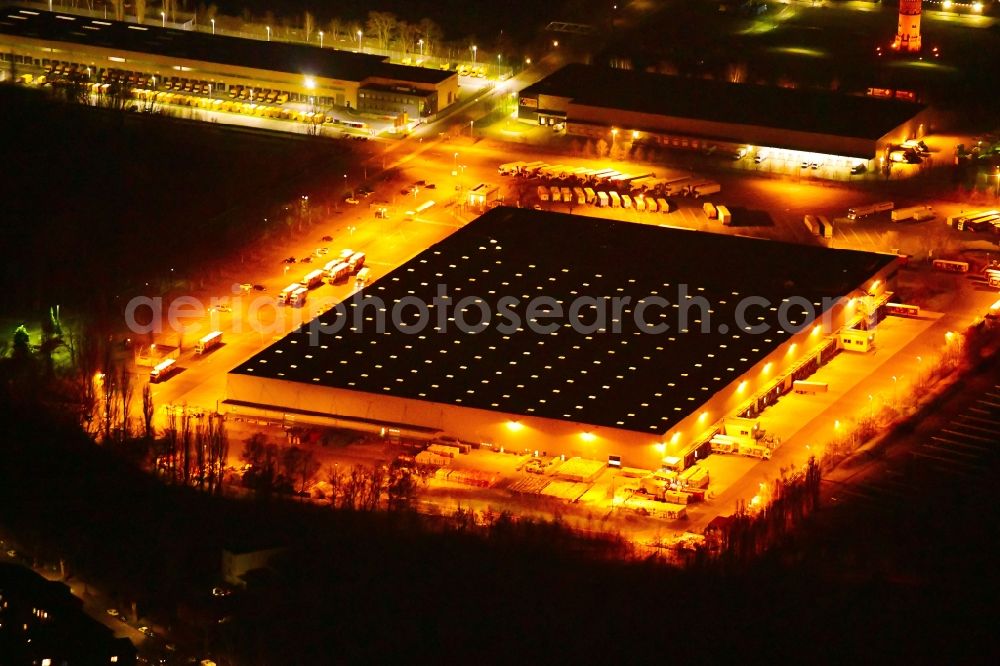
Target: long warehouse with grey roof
[
  {"x": 99, "y": 49},
  {"x": 554, "y": 332},
  {"x": 741, "y": 119}
]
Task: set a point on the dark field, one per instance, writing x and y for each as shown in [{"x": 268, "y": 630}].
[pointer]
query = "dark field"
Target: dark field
[
  {"x": 96, "y": 203},
  {"x": 829, "y": 47}
]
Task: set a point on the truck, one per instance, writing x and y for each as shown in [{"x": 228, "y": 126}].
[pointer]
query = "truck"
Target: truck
[
  {"x": 162, "y": 370},
  {"x": 581, "y": 197},
  {"x": 602, "y": 199},
  {"x": 543, "y": 193},
  {"x": 590, "y": 195},
  {"x": 640, "y": 203},
  {"x": 363, "y": 276},
  {"x": 555, "y": 194},
  {"x": 208, "y": 342},
  {"x": 710, "y": 210},
  {"x": 339, "y": 272},
  {"x": 724, "y": 215},
  {"x": 824, "y": 226},
  {"x": 298, "y": 298},
  {"x": 510, "y": 168},
  {"x": 802, "y": 386},
  {"x": 626, "y": 201},
  {"x": 704, "y": 188},
  {"x": 866, "y": 211},
  {"x": 662, "y": 205},
  {"x": 567, "y": 194},
  {"x": 812, "y": 224},
  {"x": 286, "y": 294},
  {"x": 356, "y": 262},
  {"x": 312, "y": 279},
  {"x": 915, "y": 213},
  {"x": 616, "y": 201},
  {"x": 675, "y": 186},
  {"x": 651, "y": 205}
]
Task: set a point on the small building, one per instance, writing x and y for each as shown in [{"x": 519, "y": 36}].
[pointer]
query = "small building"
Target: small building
[
  {"x": 240, "y": 559},
  {"x": 42, "y": 622}
]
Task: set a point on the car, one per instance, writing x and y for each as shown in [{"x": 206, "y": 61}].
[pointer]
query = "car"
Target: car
[
  {"x": 431, "y": 186},
  {"x": 814, "y": 166},
  {"x": 259, "y": 287},
  {"x": 246, "y": 287},
  {"x": 352, "y": 201},
  {"x": 305, "y": 260},
  {"x": 420, "y": 183},
  {"x": 289, "y": 260},
  {"x": 146, "y": 631},
  {"x": 113, "y": 612},
  {"x": 170, "y": 647},
  {"x": 12, "y": 553},
  {"x": 805, "y": 164},
  {"x": 537, "y": 207},
  {"x": 327, "y": 239},
  {"x": 221, "y": 592},
  {"x": 320, "y": 252},
  {"x": 759, "y": 158},
  {"x": 858, "y": 168},
  {"x": 406, "y": 190},
  {"x": 365, "y": 191}
]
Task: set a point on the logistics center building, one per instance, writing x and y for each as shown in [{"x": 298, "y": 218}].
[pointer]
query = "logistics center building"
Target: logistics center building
[
  {"x": 620, "y": 386},
  {"x": 738, "y": 119},
  {"x": 98, "y": 49}
]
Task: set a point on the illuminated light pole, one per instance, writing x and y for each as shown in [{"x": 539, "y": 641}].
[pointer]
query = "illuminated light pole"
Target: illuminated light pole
[
  {"x": 268, "y": 32},
  {"x": 359, "y": 39},
  {"x": 213, "y": 25},
  {"x": 420, "y": 43},
  {"x": 163, "y": 17},
  {"x": 321, "y": 39},
  {"x": 475, "y": 49}
]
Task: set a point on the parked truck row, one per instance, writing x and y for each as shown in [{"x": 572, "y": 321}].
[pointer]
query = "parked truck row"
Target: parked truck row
[
  {"x": 571, "y": 182},
  {"x": 335, "y": 271}
]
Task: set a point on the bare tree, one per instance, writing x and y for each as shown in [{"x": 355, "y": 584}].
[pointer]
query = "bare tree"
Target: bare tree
[
  {"x": 119, "y": 7},
  {"x": 408, "y": 34},
  {"x": 381, "y": 25},
  {"x": 431, "y": 33},
  {"x": 308, "y": 25},
  {"x": 140, "y": 11},
  {"x": 336, "y": 28},
  {"x": 125, "y": 390},
  {"x": 148, "y": 412}
]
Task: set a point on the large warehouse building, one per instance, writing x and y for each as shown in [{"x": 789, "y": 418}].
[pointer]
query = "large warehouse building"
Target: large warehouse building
[
  {"x": 610, "y": 382},
  {"x": 39, "y": 40},
  {"x": 786, "y": 124}
]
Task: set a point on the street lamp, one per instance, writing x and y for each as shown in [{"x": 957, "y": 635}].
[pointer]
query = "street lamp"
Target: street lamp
[
  {"x": 420, "y": 43},
  {"x": 475, "y": 49},
  {"x": 268, "y": 32},
  {"x": 359, "y": 39},
  {"x": 213, "y": 25},
  {"x": 454, "y": 167},
  {"x": 163, "y": 17},
  {"x": 321, "y": 39}
]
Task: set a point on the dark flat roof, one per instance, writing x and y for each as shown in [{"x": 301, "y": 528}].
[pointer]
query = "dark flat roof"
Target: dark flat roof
[
  {"x": 192, "y": 45},
  {"x": 798, "y": 109},
  {"x": 630, "y": 379}
]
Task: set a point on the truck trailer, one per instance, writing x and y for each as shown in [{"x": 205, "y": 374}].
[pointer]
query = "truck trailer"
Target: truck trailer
[{"x": 867, "y": 211}]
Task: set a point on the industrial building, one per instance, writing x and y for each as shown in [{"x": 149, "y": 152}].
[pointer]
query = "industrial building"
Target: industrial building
[
  {"x": 739, "y": 119},
  {"x": 620, "y": 386},
  {"x": 153, "y": 56}
]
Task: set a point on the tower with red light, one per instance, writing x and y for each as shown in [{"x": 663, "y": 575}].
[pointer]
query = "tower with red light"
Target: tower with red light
[{"x": 908, "y": 33}]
